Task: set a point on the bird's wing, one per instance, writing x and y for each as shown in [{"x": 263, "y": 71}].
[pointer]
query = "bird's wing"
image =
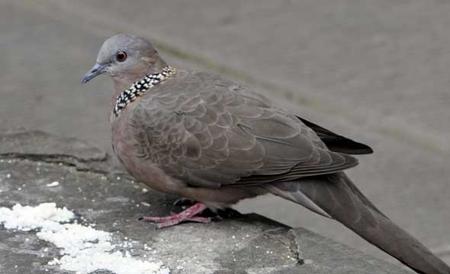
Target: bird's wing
[{"x": 209, "y": 132}]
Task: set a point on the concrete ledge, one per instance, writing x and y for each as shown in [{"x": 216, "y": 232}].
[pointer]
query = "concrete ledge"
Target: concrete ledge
[{"x": 30, "y": 160}]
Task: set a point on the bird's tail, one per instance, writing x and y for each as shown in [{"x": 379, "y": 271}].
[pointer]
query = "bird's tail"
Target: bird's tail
[{"x": 337, "y": 197}]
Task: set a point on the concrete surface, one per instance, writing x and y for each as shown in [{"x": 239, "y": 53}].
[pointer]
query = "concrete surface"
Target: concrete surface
[
  {"x": 237, "y": 244},
  {"x": 374, "y": 70}
]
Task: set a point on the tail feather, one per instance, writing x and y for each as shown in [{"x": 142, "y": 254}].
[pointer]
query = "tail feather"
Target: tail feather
[{"x": 338, "y": 197}]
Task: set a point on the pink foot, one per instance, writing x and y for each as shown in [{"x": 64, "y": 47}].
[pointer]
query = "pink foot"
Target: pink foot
[{"x": 187, "y": 215}]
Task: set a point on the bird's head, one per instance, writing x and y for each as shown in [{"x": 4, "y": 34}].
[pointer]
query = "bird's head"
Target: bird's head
[{"x": 126, "y": 58}]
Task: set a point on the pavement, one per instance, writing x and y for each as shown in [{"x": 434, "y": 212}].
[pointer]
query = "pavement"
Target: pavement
[
  {"x": 375, "y": 71},
  {"x": 106, "y": 202}
]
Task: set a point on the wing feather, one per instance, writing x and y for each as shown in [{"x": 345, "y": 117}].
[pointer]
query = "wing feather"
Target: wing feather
[{"x": 209, "y": 132}]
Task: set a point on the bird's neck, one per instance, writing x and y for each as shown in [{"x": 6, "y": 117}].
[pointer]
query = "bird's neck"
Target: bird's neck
[
  {"x": 151, "y": 65},
  {"x": 138, "y": 88}
]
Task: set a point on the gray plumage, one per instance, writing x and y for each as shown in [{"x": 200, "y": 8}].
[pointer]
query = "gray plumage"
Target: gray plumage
[{"x": 211, "y": 140}]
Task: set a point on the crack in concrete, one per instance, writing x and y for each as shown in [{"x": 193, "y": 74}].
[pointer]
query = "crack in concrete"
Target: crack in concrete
[
  {"x": 59, "y": 159},
  {"x": 292, "y": 244},
  {"x": 295, "y": 247}
]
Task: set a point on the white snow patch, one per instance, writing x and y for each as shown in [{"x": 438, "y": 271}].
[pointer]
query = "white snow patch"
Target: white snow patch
[
  {"x": 52, "y": 184},
  {"x": 26, "y": 218},
  {"x": 83, "y": 248}
]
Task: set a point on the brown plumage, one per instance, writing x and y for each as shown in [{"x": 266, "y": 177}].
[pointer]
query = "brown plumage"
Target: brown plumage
[{"x": 211, "y": 140}]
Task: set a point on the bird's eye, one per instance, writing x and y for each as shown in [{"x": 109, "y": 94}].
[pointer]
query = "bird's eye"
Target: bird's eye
[{"x": 121, "y": 56}]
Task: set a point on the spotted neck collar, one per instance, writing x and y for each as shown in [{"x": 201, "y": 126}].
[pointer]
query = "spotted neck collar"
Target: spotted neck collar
[{"x": 140, "y": 87}]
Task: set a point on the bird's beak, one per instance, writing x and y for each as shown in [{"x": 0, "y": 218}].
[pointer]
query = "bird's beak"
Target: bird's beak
[{"x": 95, "y": 71}]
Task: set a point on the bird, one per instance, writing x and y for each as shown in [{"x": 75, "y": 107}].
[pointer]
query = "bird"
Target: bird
[{"x": 214, "y": 141}]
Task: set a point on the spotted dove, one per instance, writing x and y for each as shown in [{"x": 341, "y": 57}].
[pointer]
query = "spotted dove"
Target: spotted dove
[{"x": 211, "y": 140}]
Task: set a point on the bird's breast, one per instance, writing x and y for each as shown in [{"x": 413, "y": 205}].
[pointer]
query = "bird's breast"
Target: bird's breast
[{"x": 127, "y": 150}]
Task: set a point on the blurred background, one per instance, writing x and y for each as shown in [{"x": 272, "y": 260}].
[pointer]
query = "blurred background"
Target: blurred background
[{"x": 375, "y": 71}]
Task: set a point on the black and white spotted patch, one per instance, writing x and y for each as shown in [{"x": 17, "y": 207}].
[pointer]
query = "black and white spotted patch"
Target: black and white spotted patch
[{"x": 139, "y": 88}]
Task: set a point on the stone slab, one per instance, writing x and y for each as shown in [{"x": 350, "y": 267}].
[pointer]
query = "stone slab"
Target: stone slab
[{"x": 238, "y": 244}]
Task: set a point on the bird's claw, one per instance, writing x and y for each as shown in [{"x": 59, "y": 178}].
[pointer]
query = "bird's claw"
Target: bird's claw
[{"x": 187, "y": 215}]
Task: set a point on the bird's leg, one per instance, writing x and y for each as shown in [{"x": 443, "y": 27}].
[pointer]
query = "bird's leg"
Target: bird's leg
[{"x": 186, "y": 215}]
